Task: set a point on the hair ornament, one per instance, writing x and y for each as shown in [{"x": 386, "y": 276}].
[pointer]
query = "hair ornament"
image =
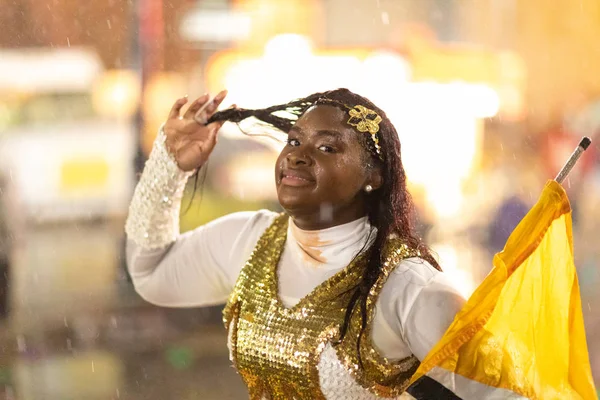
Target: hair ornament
[
  {"x": 363, "y": 119},
  {"x": 366, "y": 120}
]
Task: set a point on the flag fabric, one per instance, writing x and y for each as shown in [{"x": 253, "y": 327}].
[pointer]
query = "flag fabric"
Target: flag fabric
[{"x": 521, "y": 334}]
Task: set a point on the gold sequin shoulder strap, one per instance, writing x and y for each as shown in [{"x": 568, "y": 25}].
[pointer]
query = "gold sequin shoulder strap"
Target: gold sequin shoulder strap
[{"x": 384, "y": 377}]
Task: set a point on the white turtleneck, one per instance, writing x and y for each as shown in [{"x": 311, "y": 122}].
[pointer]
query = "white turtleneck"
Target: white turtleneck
[
  {"x": 415, "y": 307},
  {"x": 314, "y": 256}
]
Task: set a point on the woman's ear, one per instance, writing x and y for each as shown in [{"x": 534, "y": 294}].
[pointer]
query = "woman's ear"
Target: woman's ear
[{"x": 375, "y": 177}]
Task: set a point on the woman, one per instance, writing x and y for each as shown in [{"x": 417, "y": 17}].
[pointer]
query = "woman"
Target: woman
[{"x": 335, "y": 298}]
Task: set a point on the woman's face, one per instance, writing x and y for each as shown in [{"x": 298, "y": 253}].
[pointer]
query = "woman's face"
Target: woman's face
[{"x": 321, "y": 173}]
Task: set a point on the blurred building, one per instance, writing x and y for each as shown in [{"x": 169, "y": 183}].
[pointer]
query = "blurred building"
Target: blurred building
[{"x": 558, "y": 44}]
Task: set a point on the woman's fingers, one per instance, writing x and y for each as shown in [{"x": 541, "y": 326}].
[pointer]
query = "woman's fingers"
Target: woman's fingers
[
  {"x": 193, "y": 150},
  {"x": 204, "y": 114},
  {"x": 213, "y": 105},
  {"x": 189, "y": 139},
  {"x": 196, "y": 105},
  {"x": 199, "y": 104},
  {"x": 176, "y": 109},
  {"x": 202, "y": 135}
]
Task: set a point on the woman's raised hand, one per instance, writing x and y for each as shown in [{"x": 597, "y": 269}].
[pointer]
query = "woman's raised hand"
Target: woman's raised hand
[{"x": 189, "y": 139}]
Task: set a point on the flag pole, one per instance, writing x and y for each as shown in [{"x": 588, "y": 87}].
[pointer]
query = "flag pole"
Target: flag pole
[{"x": 583, "y": 145}]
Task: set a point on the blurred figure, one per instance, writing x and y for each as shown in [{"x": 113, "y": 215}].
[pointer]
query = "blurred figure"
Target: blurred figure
[
  {"x": 4, "y": 265},
  {"x": 12, "y": 225},
  {"x": 6, "y": 245},
  {"x": 511, "y": 212}
]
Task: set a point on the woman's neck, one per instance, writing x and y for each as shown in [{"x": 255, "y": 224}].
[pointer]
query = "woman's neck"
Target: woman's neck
[
  {"x": 327, "y": 217},
  {"x": 330, "y": 245}
]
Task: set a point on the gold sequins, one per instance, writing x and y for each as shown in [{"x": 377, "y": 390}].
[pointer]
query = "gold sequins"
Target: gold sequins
[{"x": 276, "y": 349}]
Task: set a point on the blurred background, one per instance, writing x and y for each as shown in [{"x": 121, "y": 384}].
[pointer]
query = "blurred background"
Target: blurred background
[{"x": 489, "y": 98}]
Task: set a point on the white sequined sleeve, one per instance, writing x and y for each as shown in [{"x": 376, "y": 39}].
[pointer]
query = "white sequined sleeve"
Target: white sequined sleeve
[{"x": 153, "y": 220}]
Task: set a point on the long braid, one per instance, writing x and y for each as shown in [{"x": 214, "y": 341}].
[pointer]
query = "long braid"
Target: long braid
[{"x": 294, "y": 108}]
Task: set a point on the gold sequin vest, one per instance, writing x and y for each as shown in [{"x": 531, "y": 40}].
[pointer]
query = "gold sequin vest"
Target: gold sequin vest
[{"x": 277, "y": 349}]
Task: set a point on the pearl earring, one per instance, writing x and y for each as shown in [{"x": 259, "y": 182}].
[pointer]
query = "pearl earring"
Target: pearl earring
[{"x": 368, "y": 188}]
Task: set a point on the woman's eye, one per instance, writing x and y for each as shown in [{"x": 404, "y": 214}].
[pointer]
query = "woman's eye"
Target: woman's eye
[
  {"x": 293, "y": 142},
  {"x": 326, "y": 149}
]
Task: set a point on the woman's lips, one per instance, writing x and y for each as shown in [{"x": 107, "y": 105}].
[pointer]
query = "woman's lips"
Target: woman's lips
[{"x": 296, "y": 178}]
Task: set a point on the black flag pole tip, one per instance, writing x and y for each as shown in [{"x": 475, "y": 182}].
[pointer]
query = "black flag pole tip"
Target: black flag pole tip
[{"x": 585, "y": 143}]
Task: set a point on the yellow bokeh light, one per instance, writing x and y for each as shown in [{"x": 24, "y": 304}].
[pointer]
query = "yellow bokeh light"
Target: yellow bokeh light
[
  {"x": 460, "y": 278},
  {"x": 116, "y": 93}
]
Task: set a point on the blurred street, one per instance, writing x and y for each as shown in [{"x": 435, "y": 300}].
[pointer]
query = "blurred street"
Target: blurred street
[{"x": 78, "y": 330}]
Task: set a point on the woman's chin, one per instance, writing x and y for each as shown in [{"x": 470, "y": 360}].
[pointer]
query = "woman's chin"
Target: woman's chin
[
  {"x": 293, "y": 201},
  {"x": 291, "y": 205}
]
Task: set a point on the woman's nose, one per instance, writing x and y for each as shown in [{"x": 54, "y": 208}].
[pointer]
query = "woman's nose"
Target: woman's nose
[{"x": 298, "y": 157}]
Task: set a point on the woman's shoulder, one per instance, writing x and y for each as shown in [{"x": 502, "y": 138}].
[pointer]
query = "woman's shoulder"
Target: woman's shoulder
[
  {"x": 415, "y": 288},
  {"x": 415, "y": 275},
  {"x": 244, "y": 224},
  {"x": 415, "y": 270},
  {"x": 257, "y": 218},
  {"x": 418, "y": 302},
  {"x": 234, "y": 236}
]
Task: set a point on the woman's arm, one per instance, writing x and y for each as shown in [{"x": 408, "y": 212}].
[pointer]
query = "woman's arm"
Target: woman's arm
[
  {"x": 200, "y": 267},
  {"x": 194, "y": 269}
]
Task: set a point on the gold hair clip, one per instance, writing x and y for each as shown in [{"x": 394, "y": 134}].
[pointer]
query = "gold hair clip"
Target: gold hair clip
[
  {"x": 366, "y": 120},
  {"x": 363, "y": 119}
]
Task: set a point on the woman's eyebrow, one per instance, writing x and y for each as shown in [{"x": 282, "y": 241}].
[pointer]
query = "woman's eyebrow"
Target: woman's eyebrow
[
  {"x": 295, "y": 128},
  {"x": 331, "y": 133},
  {"x": 322, "y": 132}
]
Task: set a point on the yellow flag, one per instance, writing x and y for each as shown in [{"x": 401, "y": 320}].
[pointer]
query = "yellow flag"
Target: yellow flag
[{"x": 521, "y": 334}]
